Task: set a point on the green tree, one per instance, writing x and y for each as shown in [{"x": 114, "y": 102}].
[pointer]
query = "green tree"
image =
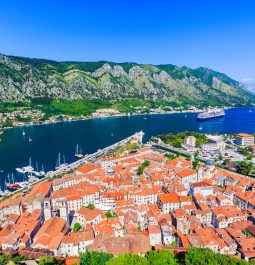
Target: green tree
[
  {"x": 140, "y": 170},
  {"x": 48, "y": 260},
  {"x": 94, "y": 258},
  {"x": 8, "y": 123},
  {"x": 245, "y": 168},
  {"x": 170, "y": 156},
  {"x": 4, "y": 259},
  {"x": 199, "y": 256},
  {"x": 161, "y": 257},
  {"x": 195, "y": 163},
  {"x": 90, "y": 206},
  {"x": 76, "y": 227},
  {"x": 128, "y": 259}
]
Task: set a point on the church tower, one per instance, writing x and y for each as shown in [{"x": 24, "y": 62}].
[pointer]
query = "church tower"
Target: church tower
[{"x": 47, "y": 209}]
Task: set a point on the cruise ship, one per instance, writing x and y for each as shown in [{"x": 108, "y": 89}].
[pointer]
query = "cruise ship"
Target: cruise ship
[{"x": 211, "y": 114}]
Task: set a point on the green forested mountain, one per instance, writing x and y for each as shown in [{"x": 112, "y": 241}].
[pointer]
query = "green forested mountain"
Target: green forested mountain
[{"x": 25, "y": 79}]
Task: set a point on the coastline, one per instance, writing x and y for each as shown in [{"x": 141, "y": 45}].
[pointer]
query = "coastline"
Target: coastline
[{"x": 111, "y": 116}]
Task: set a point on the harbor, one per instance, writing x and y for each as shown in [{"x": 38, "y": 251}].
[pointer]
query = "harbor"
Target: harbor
[
  {"x": 12, "y": 187},
  {"x": 48, "y": 141}
]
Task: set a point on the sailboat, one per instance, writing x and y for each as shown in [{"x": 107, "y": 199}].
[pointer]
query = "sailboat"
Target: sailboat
[
  {"x": 42, "y": 172},
  {"x": 78, "y": 152},
  {"x": 26, "y": 169},
  {"x": 11, "y": 184},
  {"x": 36, "y": 172},
  {"x": 59, "y": 164}
]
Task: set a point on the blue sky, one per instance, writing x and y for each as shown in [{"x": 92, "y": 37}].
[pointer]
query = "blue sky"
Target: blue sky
[{"x": 212, "y": 33}]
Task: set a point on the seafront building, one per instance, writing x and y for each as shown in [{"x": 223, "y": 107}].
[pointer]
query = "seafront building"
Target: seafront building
[
  {"x": 118, "y": 211},
  {"x": 244, "y": 139}
]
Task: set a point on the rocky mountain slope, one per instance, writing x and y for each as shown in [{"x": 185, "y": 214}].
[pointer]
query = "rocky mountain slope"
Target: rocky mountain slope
[{"x": 24, "y": 79}]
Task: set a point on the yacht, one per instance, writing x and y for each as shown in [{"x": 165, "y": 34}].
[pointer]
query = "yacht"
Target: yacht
[
  {"x": 26, "y": 169},
  {"x": 78, "y": 152},
  {"x": 11, "y": 184},
  {"x": 59, "y": 164}
]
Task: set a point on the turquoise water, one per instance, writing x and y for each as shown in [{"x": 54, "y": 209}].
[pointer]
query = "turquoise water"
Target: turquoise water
[{"x": 91, "y": 135}]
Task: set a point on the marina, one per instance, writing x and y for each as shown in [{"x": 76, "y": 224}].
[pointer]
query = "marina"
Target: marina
[{"x": 11, "y": 185}]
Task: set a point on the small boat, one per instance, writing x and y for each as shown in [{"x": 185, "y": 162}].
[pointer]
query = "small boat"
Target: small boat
[
  {"x": 42, "y": 172},
  {"x": 59, "y": 164},
  {"x": 11, "y": 184},
  {"x": 23, "y": 133},
  {"x": 78, "y": 152},
  {"x": 250, "y": 110},
  {"x": 32, "y": 178},
  {"x": 26, "y": 169},
  {"x": 200, "y": 128},
  {"x": 29, "y": 139}
]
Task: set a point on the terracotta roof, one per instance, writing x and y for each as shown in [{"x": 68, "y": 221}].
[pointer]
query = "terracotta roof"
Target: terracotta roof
[
  {"x": 75, "y": 238},
  {"x": 244, "y": 135},
  {"x": 169, "y": 198}
]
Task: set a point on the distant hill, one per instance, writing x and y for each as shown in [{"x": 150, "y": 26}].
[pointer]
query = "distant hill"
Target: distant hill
[{"x": 24, "y": 79}]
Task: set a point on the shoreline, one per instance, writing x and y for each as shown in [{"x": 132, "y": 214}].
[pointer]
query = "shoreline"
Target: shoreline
[{"x": 112, "y": 116}]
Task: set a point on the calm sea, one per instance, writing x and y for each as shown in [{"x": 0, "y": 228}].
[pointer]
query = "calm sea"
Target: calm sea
[{"x": 50, "y": 140}]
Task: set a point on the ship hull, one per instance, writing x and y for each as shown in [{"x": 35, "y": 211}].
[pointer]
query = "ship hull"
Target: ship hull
[{"x": 210, "y": 118}]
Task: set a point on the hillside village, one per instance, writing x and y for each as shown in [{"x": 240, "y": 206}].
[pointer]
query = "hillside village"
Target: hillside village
[{"x": 130, "y": 204}]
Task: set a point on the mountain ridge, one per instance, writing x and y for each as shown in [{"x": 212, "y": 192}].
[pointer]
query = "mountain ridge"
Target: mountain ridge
[{"x": 23, "y": 78}]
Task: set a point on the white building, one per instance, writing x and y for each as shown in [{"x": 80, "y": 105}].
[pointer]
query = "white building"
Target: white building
[
  {"x": 244, "y": 139},
  {"x": 76, "y": 243},
  {"x": 168, "y": 202},
  {"x": 202, "y": 188},
  {"x": 154, "y": 234}
]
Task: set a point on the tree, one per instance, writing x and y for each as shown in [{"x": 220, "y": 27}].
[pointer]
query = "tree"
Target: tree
[
  {"x": 195, "y": 163},
  {"x": 49, "y": 260},
  {"x": 161, "y": 257},
  {"x": 140, "y": 170},
  {"x": 90, "y": 206},
  {"x": 199, "y": 256},
  {"x": 205, "y": 256},
  {"x": 76, "y": 227},
  {"x": 94, "y": 258},
  {"x": 8, "y": 123},
  {"x": 170, "y": 156},
  {"x": 245, "y": 168},
  {"x": 128, "y": 259},
  {"x": 4, "y": 259}
]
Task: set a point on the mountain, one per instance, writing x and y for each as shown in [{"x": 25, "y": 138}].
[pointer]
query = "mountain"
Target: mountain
[{"x": 24, "y": 79}]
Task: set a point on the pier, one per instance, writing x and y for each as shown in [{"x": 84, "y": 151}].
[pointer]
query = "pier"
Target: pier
[{"x": 92, "y": 157}]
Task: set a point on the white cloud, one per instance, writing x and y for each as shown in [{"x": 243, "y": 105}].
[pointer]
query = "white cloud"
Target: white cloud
[{"x": 248, "y": 80}]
